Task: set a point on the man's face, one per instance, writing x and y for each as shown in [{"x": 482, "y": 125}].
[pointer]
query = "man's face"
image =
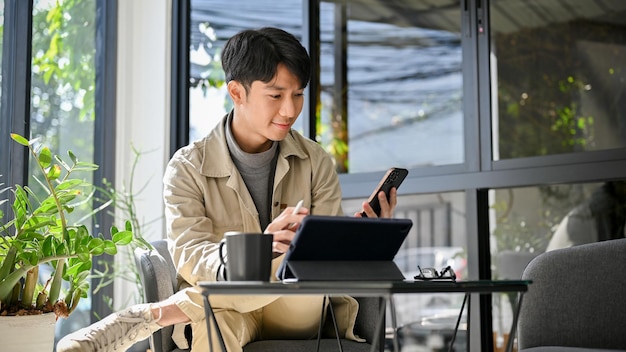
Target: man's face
[{"x": 267, "y": 111}]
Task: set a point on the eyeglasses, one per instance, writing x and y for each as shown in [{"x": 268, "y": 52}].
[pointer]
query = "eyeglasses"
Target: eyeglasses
[{"x": 432, "y": 274}]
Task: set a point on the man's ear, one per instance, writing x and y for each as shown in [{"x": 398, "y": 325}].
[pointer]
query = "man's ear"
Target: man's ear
[{"x": 237, "y": 92}]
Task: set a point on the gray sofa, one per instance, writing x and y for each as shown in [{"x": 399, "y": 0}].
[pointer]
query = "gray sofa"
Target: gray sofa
[
  {"x": 577, "y": 300},
  {"x": 158, "y": 276}
]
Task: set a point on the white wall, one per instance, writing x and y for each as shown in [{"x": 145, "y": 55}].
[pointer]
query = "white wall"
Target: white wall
[{"x": 143, "y": 106}]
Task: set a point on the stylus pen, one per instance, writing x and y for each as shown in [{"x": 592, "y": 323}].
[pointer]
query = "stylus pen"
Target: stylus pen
[{"x": 296, "y": 210}]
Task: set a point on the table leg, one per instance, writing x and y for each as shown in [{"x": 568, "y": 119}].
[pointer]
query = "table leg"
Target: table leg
[
  {"x": 458, "y": 322},
  {"x": 394, "y": 324},
  {"x": 209, "y": 316},
  {"x": 509, "y": 345},
  {"x": 332, "y": 315}
]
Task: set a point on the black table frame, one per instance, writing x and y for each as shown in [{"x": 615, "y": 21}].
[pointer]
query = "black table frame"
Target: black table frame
[{"x": 384, "y": 289}]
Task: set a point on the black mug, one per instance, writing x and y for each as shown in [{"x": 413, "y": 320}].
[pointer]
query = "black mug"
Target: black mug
[{"x": 248, "y": 256}]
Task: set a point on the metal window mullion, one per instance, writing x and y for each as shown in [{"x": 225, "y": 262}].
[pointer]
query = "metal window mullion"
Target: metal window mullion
[
  {"x": 180, "y": 74},
  {"x": 104, "y": 133},
  {"x": 15, "y": 103}
]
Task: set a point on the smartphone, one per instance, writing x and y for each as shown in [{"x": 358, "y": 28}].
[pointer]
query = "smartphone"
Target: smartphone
[{"x": 392, "y": 178}]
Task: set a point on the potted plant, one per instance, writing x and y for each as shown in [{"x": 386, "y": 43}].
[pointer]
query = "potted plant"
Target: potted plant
[{"x": 39, "y": 233}]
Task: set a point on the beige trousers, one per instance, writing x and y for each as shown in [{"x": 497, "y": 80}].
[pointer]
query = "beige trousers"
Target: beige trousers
[{"x": 246, "y": 318}]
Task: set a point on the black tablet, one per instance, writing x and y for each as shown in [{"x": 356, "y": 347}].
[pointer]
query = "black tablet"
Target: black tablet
[{"x": 345, "y": 248}]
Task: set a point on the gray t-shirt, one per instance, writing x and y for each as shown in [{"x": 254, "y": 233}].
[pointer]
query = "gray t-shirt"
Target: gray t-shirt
[{"x": 257, "y": 171}]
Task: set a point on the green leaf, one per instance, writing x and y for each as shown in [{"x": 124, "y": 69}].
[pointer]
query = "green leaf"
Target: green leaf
[
  {"x": 48, "y": 247},
  {"x": 79, "y": 267},
  {"x": 85, "y": 257},
  {"x": 61, "y": 249},
  {"x": 19, "y": 139},
  {"x": 45, "y": 157},
  {"x": 36, "y": 223},
  {"x": 48, "y": 206},
  {"x": 110, "y": 248},
  {"x": 54, "y": 172},
  {"x": 33, "y": 258},
  {"x": 47, "y": 74},
  {"x": 123, "y": 238},
  {"x": 63, "y": 163},
  {"x": 68, "y": 184},
  {"x": 96, "y": 246},
  {"x": 72, "y": 156},
  {"x": 68, "y": 196},
  {"x": 81, "y": 166}
]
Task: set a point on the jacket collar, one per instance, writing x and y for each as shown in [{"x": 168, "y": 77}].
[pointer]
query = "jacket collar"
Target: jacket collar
[{"x": 220, "y": 163}]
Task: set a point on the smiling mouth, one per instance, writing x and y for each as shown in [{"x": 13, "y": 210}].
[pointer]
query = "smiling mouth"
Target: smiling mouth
[{"x": 282, "y": 125}]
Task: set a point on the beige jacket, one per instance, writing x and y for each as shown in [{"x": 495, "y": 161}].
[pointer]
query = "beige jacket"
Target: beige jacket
[{"x": 205, "y": 197}]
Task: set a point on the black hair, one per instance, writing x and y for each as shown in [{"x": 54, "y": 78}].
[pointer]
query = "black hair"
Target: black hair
[{"x": 254, "y": 54}]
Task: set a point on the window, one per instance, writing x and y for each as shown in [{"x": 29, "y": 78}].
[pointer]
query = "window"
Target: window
[
  {"x": 50, "y": 56},
  {"x": 391, "y": 84},
  {"x": 556, "y": 97},
  {"x": 559, "y": 74},
  {"x": 528, "y": 221},
  {"x": 212, "y": 23},
  {"x": 403, "y": 79},
  {"x": 62, "y": 111},
  {"x": 63, "y": 75}
]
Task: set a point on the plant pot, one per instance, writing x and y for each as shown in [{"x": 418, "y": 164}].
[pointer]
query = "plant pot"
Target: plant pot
[{"x": 28, "y": 333}]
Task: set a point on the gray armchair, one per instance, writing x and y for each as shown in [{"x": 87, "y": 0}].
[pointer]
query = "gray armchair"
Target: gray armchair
[
  {"x": 577, "y": 299},
  {"x": 158, "y": 276}
]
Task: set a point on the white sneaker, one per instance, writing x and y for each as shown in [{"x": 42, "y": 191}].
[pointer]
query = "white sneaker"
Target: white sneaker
[{"x": 117, "y": 332}]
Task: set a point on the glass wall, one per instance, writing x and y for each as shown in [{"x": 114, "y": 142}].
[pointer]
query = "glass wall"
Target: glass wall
[
  {"x": 53, "y": 99},
  {"x": 62, "y": 108},
  {"x": 559, "y": 73},
  {"x": 391, "y": 84},
  {"x": 543, "y": 218},
  {"x": 528, "y": 221},
  {"x": 426, "y": 85},
  {"x": 64, "y": 75},
  {"x": 523, "y": 222},
  {"x": 212, "y": 23},
  {"x": 402, "y": 81},
  {"x": 402, "y": 106}
]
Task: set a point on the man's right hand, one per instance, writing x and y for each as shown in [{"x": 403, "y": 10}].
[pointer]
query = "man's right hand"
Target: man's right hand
[{"x": 284, "y": 228}]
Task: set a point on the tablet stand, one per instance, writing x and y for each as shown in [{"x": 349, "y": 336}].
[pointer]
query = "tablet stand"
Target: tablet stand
[{"x": 331, "y": 270}]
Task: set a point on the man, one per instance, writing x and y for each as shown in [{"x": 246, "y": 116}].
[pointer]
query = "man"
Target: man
[{"x": 246, "y": 175}]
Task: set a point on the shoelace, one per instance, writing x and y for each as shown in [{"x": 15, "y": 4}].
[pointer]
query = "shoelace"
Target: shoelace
[{"x": 117, "y": 332}]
